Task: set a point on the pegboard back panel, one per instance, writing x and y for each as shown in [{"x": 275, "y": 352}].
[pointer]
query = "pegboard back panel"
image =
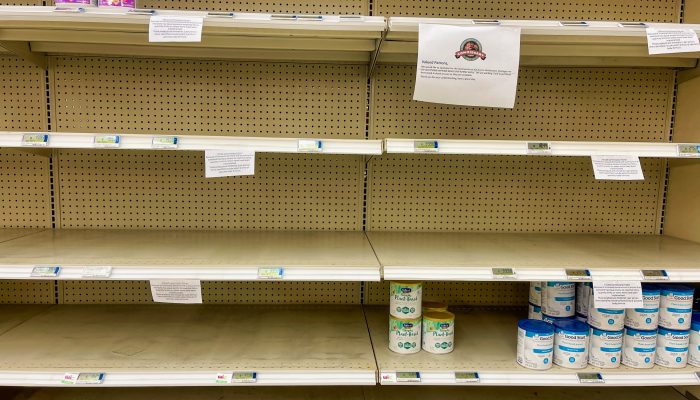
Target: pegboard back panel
[
  {"x": 343, "y": 7},
  {"x": 552, "y": 103},
  {"x": 22, "y": 95},
  {"x": 620, "y": 10},
  {"x": 215, "y": 292},
  {"x": 27, "y": 292},
  {"x": 200, "y": 97},
  {"x": 167, "y": 190},
  {"x": 459, "y": 293},
  {"x": 509, "y": 194},
  {"x": 25, "y": 190}
]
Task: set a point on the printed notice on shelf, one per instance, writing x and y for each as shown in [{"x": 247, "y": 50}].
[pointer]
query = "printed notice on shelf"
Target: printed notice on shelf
[
  {"x": 666, "y": 41},
  {"x": 181, "y": 291},
  {"x": 173, "y": 28},
  {"x": 468, "y": 66},
  {"x": 617, "y": 168},
  {"x": 617, "y": 294},
  {"x": 219, "y": 163}
]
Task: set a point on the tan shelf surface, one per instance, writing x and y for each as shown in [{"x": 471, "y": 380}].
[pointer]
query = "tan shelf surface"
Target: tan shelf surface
[
  {"x": 14, "y": 233},
  {"x": 171, "y": 345},
  {"x": 471, "y": 256},
  {"x": 485, "y": 342},
  {"x": 213, "y": 255}
]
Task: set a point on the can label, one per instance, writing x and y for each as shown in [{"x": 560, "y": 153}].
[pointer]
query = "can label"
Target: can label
[
  {"x": 675, "y": 310},
  {"x": 438, "y": 336},
  {"x": 694, "y": 349},
  {"x": 535, "y": 350},
  {"x": 605, "y": 349},
  {"x": 639, "y": 349},
  {"x": 404, "y": 335},
  {"x": 606, "y": 319},
  {"x": 558, "y": 299},
  {"x": 672, "y": 348},
  {"x": 405, "y": 299},
  {"x": 536, "y": 293},
  {"x": 646, "y": 318},
  {"x": 571, "y": 349},
  {"x": 534, "y": 312}
]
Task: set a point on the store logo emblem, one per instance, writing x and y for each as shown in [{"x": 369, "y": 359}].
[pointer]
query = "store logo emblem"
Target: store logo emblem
[{"x": 470, "y": 50}]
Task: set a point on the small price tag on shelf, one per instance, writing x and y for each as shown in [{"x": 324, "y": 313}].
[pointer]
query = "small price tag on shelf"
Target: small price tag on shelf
[
  {"x": 270, "y": 273},
  {"x": 688, "y": 150},
  {"x": 35, "y": 140},
  {"x": 97, "y": 271},
  {"x": 655, "y": 274},
  {"x": 90, "y": 378},
  {"x": 244, "y": 377},
  {"x": 426, "y": 146},
  {"x": 223, "y": 378},
  {"x": 46, "y": 271},
  {"x": 309, "y": 146},
  {"x": 503, "y": 273},
  {"x": 466, "y": 377},
  {"x": 70, "y": 378},
  {"x": 106, "y": 141},
  {"x": 578, "y": 275},
  {"x": 590, "y": 377},
  {"x": 539, "y": 148},
  {"x": 164, "y": 142},
  {"x": 408, "y": 377}
]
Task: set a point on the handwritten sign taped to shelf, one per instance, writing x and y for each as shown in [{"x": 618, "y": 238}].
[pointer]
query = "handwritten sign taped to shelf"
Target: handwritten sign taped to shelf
[
  {"x": 666, "y": 41},
  {"x": 467, "y": 66},
  {"x": 97, "y": 271},
  {"x": 46, "y": 271},
  {"x": 617, "y": 294},
  {"x": 107, "y": 141},
  {"x": 180, "y": 291},
  {"x": 220, "y": 163},
  {"x": 175, "y": 28},
  {"x": 617, "y": 168}
]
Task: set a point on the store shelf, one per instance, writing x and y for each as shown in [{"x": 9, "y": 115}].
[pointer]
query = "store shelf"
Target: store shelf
[
  {"x": 169, "y": 345},
  {"x": 485, "y": 342},
  {"x": 64, "y": 140},
  {"x": 565, "y": 43},
  {"x": 532, "y": 256},
  {"x": 556, "y": 148},
  {"x": 99, "y": 31},
  {"x": 14, "y": 233},
  {"x": 205, "y": 255}
]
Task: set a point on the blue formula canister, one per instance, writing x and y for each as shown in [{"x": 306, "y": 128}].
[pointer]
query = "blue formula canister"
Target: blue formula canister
[
  {"x": 647, "y": 317},
  {"x": 675, "y": 306},
  {"x": 535, "y": 344},
  {"x": 571, "y": 344}
]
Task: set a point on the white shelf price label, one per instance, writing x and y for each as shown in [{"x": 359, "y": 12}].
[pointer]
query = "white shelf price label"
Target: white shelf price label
[
  {"x": 407, "y": 376},
  {"x": 697, "y": 375},
  {"x": 97, "y": 271},
  {"x": 107, "y": 141},
  {"x": 539, "y": 148},
  {"x": 466, "y": 377},
  {"x": 164, "y": 142},
  {"x": 578, "y": 275},
  {"x": 46, "y": 271},
  {"x": 35, "y": 140},
  {"x": 270, "y": 273},
  {"x": 688, "y": 150},
  {"x": 387, "y": 377},
  {"x": 244, "y": 377},
  {"x": 70, "y": 378},
  {"x": 655, "y": 274},
  {"x": 309, "y": 146},
  {"x": 503, "y": 273},
  {"x": 590, "y": 377},
  {"x": 90, "y": 378},
  {"x": 426, "y": 146},
  {"x": 224, "y": 378}
]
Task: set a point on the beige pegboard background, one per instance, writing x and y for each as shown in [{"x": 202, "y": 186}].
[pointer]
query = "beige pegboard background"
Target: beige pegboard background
[
  {"x": 459, "y": 293},
  {"x": 139, "y": 292},
  {"x": 27, "y": 292},
  {"x": 552, "y": 103},
  {"x": 343, "y": 7},
  {"x": 199, "y": 97},
  {"x": 167, "y": 190},
  {"x": 618, "y": 10}
]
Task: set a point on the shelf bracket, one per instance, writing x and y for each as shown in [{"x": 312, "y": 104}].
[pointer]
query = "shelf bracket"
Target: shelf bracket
[
  {"x": 24, "y": 50},
  {"x": 688, "y": 74},
  {"x": 375, "y": 54}
]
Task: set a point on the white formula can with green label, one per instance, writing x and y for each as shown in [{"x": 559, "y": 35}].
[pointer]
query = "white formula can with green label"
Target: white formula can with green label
[
  {"x": 404, "y": 335},
  {"x": 438, "y": 332},
  {"x": 405, "y": 299}
]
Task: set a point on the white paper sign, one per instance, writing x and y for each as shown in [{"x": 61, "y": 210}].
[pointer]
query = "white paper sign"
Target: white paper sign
[
  {"x": 218, "y": 163},
  {"x": 665, "y": 41},
  {"x": 617, "y": 168},
  {"x": 617, "y": 294},
  {"x": 173, "y": 28},
  {"x": 181, "y": 291},
  {"x": 468, "y": 66},
  {"x": 97, "y": 271}
]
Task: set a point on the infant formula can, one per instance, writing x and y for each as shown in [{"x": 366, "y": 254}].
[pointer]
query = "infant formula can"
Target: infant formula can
[
  {"x": 534, "y": 312},
  {"x": 647, "y": 317},
  {"x": 550, "y": 320},
  {"x": 638, "y": 348},
  {"x": 438, "y": 332},
  {"x": 607, "y": 319},
  {"x": 694, "y": 348},
  {"x": 672, "y": 348},
  {"x": 605, "y": 348},
  {"x": 535, "y": 344},
  {"x": 118, "y": 3},
  {"x": 536, "y": 293},
  {"x": 405, "y": 299},
  {"x": 430, "y": 305},
  {"x": 558, "y": 298},
  {"x": 581, "y": 318},
  {"x": 571, "y": 344},
  {"x": 583, "y": 292},
  {"x": 404, "y": 335},
  {"x": 675, "y": 306}
]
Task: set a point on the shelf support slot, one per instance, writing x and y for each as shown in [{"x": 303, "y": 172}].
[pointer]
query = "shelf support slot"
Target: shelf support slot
[{"x": 24, "y": 50}]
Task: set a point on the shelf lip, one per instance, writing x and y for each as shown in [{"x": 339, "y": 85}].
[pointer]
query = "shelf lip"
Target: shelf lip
[
  {"x": 520, "y": 147},
  {"x": 73, "y": 140}
]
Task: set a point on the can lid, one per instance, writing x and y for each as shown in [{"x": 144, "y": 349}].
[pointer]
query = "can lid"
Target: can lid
[
  {"x": 442, "y": 316},
  {"x": 536, "y": 326},
  {"x": 650, "y": 288},
  {"x": 663, "y": 330},
  {"x": 434, "y": 305},
  {"x": 676, "y": 288},
  {"x": 571, "y": 325},
  {"x": 631, "y": 332}
]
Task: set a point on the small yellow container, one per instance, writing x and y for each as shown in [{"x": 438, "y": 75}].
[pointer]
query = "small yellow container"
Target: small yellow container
[
  {"x": 429, "y": 305},
  {"x": 438, "y": 332}
]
